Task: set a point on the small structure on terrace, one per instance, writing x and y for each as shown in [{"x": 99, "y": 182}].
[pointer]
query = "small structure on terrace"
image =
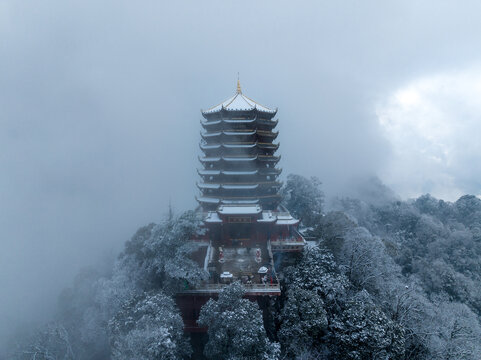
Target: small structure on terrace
[{"x": 239, "y": 204}]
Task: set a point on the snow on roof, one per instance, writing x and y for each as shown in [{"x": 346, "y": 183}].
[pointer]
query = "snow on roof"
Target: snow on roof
[
  {"x": 207, "y": 134},
  {"x": 269, "y": 158},
  {"x": 270, "y": 171},
  {"x": 214, "y": 146},
  {"x": 284, "y": 215},
  {"x": 208, "y": 186},
  {"x": 209, "y": 159},
  {"x": 215, "y": 122},
  {"x": 236, "y": 158},
  {"x": 264, "y": 145},
  {"x": 239, "y": 102},
  {"x": 234, "y": 146},
  {"x": 208, "y": 172},
  {"x": 287, "y": 222},
  {"x": 239, "y": 146},
  {"x": 286, "y": 219},
  {"x": 237, "y": 121},
  {"x": 239, "y": 210},
  {"x": 240, "y": 202},
  {"x": 226, "y": 172},
  {"x": 212, "y": 217},
  {"x": 267, "y": 216},
  {"x": 240, "y": 187},
  {"x": 239, "y": 133},
  {"x": 243, "y": 158},
  {"x": 208, "y": 200}
]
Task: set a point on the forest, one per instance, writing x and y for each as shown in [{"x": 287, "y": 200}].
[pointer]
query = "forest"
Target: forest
[{"x": 381, "y": 278}]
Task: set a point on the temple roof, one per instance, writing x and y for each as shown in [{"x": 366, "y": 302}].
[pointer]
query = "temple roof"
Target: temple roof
[
  {"x": 239, "y": 102},
  {"x": 241, "y": 145},
  {"x": 269, "y": 122},
  {"x": 239, "y": 210},
  {"x": 278, "y": 216}
]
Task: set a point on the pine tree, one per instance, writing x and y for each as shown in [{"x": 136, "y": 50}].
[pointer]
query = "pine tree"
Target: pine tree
[
  {"x": 148, "y": 328},
  {"x": 235, "y": 328}
]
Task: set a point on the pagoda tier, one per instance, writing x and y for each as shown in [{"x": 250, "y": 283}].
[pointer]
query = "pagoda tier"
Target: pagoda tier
[
  {"x": 248, "y": 122},
  {"x": 239, "y": 162},
  {"x": 244, "y": 135}
]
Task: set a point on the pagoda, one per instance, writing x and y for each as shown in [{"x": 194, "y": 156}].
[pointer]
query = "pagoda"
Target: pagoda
[
  {"x": 246, "y": 228},
  {"x": 239, "y": 162}
]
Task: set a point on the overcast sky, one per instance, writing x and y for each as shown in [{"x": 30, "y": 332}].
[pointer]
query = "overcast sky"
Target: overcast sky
[{"x": 100, "y": 100}]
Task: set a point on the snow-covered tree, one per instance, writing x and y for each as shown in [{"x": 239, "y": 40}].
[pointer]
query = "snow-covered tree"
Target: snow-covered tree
[
  {"x": 304, "y": 321},
  {"x": 304, "y": 198},
  {"x": 456, "y": 334},
  {"x": 390, "y": 280},
  {"x": 363, "y": 331},
  {"x": 158, "y": 255},
  {"x": 363, "y": 260},
  {"x": 235, "y": 328},
  {"x": 334, "y": 316},
  {"x": 319, "y": 272},
  {"x": 468, "y": 209},
  {"x": 49, "y": 343},
  {"x": 148, "y": 328},
  {"x": 83, "y": 316}
]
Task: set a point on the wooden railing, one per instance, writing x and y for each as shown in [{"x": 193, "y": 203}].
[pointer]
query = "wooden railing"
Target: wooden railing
[
  {"x": 248, "y": 287},
  {"x": 287, "y": 240}
]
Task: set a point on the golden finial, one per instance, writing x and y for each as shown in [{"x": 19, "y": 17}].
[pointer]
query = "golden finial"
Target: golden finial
[{"x": 239, "y": 91}]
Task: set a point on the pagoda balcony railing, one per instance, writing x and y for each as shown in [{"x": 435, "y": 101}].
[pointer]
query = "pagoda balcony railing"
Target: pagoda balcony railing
[
  {"x": 240, "y": 132},
  {"x": 249, "y": 288},
  {"x": 293, "y": 241},
  {"x": 293, "y": 238},
  {"x": 262, "y": 183},
  {"x": 288, "y": 246}
]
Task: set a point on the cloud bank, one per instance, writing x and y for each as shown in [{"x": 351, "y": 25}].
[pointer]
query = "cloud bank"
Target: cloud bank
[{"x": 433, "y": 125}]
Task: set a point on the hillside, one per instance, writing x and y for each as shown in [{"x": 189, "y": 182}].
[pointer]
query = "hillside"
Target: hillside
[{"x": 381, "y": 279}]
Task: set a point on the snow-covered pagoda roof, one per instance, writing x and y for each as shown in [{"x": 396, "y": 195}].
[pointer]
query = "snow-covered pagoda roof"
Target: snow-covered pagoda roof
[
  {"x": 239, "y": 102},
  {"x": 239, "y": 210}
]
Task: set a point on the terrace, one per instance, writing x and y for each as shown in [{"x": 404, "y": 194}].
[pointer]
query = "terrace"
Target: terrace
[{"x": 253, "y": 267}]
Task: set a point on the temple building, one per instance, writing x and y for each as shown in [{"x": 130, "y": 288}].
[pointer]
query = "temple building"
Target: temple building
[
  {"x": 246, "y": 228},
  {"x": 239, "y": 162}
]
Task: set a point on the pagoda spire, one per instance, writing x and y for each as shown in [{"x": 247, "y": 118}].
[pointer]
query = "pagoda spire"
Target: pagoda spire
[{"x": 239, "y": 91}]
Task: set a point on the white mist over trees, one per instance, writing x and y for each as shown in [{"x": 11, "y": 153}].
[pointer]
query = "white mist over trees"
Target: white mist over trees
[{"x": 388, "y": 279}]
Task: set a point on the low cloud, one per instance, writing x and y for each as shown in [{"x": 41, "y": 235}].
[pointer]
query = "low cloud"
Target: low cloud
[{"x": 433, "y": 124}]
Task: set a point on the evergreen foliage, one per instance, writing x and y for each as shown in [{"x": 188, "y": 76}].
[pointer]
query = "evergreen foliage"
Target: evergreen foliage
[
  {"x": 148, "y": 328},
  {"x": 158, "y": 255},
  {"x": 235, "y": 328},
  {"x": 348, "y": 324},
  {"x": 387, "y": 279},
  {"x": 304, "y": 198}
]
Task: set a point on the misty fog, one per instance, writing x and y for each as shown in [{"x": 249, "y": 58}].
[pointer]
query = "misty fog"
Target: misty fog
[{"x": 100, "y": 107}]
